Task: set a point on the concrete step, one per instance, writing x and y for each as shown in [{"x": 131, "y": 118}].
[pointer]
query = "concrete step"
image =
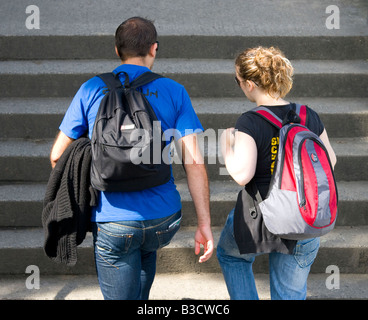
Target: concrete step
[
  {"x": 21, "y": 204},
  {"x": 190, "y": 17},
  {"x": 28, "y": 160},
  {"x": 206, "y": 30},
  {"x": 202, "y": 78},
  {"x": 39, "y": 118},
  {"x": 344, "y": 247},
  {"x": 186, "y": 286},
  {"x": 78, "y": 47}
]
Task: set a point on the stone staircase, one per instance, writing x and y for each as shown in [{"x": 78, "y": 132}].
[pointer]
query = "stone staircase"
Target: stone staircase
[{"x": 41, "y": 70}]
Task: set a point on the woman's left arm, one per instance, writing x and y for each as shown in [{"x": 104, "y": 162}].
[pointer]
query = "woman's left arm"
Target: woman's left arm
[{"x": 331, "y": 152}]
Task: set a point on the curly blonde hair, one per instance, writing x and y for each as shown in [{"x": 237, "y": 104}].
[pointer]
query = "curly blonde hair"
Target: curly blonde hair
[{"x": 268, "y": 68}]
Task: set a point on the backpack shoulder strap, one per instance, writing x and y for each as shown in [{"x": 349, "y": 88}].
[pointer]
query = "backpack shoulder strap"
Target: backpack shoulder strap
[
  {"x": 111, "y": 80},
  {"x": 301, "y": 111},
  {"x": 269, "y": 116},
  {"x": 144, "y": 78},
  {"x": 265, "y": 113}
]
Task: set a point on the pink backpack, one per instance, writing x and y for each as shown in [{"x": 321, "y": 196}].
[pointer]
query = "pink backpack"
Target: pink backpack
[{"x": 302, "y": 197}]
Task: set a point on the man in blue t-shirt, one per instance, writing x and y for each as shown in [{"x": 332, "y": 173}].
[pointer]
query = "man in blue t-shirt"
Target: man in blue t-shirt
[{"x": 129, "y": 227}]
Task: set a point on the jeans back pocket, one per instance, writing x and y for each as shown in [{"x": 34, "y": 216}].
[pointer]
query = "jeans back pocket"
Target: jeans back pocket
[
  {"x": 306, "y": 251},
  {"x": 164, "y": 236},
  {"x": 113, "y": 242}
]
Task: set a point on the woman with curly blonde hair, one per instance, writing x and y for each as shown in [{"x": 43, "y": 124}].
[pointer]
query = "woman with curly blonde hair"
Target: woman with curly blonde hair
[{"x": 249, "y": 151}]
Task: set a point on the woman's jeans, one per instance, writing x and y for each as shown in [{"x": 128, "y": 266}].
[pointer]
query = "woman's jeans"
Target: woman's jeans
[
  {"x": 288, "y": 273},
  {"x": 125, "y": 255}
]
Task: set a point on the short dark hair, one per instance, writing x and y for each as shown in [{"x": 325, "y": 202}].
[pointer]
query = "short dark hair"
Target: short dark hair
[{"x": 134, "y": 37}]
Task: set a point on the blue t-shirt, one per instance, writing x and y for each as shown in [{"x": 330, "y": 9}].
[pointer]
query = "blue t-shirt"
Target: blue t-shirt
[{"x": 173, "y": 108}]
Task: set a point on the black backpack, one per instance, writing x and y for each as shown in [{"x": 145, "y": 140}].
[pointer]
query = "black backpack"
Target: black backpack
[{"x": 123, "y": 155}]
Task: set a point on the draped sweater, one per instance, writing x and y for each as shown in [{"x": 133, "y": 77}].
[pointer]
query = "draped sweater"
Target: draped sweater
[{"x": 69, "y": 197}]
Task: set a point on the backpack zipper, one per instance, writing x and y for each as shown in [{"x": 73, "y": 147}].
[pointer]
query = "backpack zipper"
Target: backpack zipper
[{"x": 303, "y": 201}]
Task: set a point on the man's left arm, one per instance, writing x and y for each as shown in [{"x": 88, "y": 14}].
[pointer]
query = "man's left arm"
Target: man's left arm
[{"x": 199, "y": 189}]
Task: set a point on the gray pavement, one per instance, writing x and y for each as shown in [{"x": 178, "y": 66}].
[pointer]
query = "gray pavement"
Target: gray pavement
[
  {"x": 210, "y": 286},
  {"x": 345, "y": 246}
]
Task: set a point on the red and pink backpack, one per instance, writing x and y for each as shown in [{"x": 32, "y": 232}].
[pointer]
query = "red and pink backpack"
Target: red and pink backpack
[{"x": 302, "y": 198}]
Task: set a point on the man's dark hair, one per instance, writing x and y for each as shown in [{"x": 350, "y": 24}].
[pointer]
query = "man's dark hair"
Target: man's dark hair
[{"x": 134, "y": 37}]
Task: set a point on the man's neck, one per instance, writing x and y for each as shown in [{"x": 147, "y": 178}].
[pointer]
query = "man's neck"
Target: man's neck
[{"x": 139, "y": 61}]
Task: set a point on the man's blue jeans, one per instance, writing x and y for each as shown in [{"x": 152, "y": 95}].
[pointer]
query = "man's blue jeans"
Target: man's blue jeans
[
  {"x": 125, "y": 255},
  {"x": 288, "y": 273}
]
